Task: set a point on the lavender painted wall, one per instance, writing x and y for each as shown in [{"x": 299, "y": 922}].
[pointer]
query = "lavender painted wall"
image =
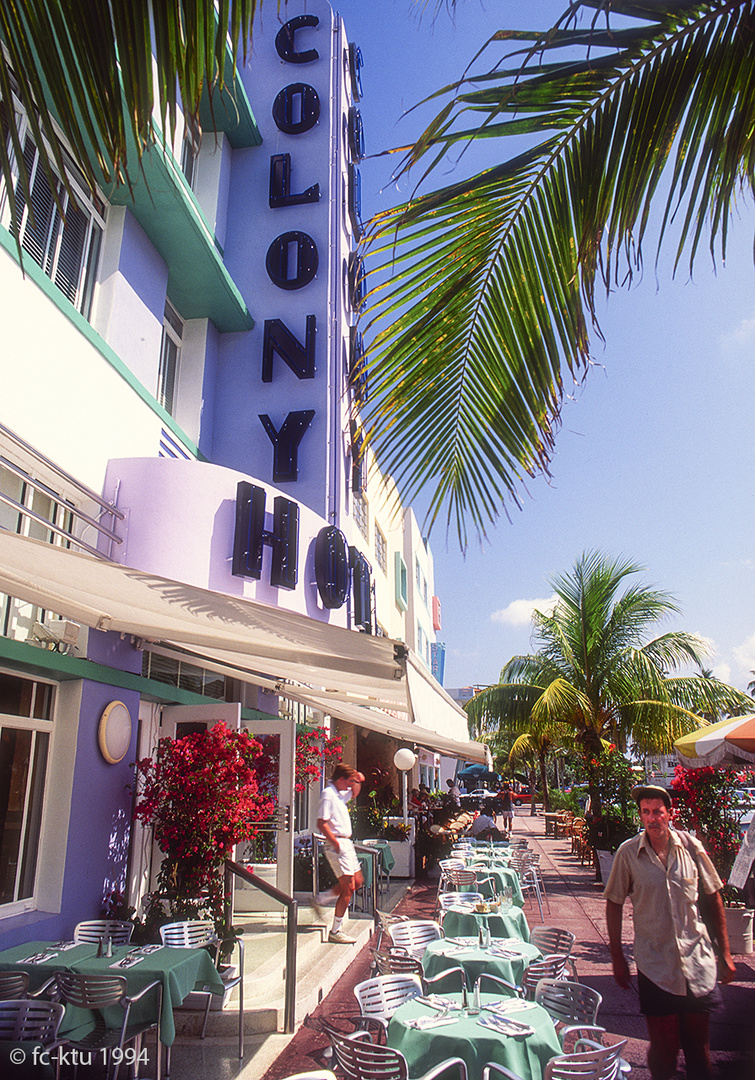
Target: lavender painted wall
[{"x": 97, "y": 849}]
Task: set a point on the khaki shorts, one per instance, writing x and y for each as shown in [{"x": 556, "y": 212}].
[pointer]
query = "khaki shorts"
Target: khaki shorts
[{"x": 344, "y": 862}]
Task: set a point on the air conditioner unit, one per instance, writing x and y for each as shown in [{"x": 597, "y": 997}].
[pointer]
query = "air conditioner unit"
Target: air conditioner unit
[{"x": 56, "y": 631}]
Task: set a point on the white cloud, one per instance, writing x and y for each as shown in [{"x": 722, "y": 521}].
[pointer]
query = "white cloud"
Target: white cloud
[
  {"x": 519, "y": 612},
  {"x": 744, "y": 654},
  {"x": 743, "y": 335},
  {"x": 722, "y": 671}
]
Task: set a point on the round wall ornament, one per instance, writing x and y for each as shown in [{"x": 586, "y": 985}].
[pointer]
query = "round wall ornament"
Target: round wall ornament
[{"x": 114, "y": 732}]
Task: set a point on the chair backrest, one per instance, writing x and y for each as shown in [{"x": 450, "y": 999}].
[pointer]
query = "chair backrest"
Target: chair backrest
[
  {"x": 191, "y": 934},
  {"x": 94, "y": 930},
  {"x": 90, "y": 991},
  {"x": 13, "y": 984},
  {"x": 361, "y": 1059},
  {"x": 597, "y": 1063},
  {"x": 448, "y": 899},
  {"x": 415, "y": 934},
  {"x": 30, "y": 1020},
  {"x": 460, "y": 876},
  {"x": 382, "y": 995},
  {"x": 396, "y": 963},
  {"x": 550, "y": 967},
  {"x": 568, "y": 1002},
  {"x": 451, "y": 864},
  {"x": 551, "y": 939}
]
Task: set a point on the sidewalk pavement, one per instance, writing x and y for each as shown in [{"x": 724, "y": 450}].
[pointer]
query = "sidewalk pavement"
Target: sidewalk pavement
[{"x": 576, "y": 904}]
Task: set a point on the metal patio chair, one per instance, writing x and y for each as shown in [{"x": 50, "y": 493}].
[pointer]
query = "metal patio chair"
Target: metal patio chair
[
  {"x": 550, "y": 967},
  {"x": 97, "y": 993},
  {"x": 414, "y": 935},
  {"x": 29, "y": 1020},
  {"x": 361, "y": 1059},
  {"x": 200, "y": 934},
  {"x": 572, "y": 1006},
  {"x": 95, "y": 930},
  {"x": 552, "y": 939}
]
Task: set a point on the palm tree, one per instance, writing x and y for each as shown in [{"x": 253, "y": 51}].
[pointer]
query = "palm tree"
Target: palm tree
[
  {"x": 486, "y": 294},
  {"x": 595, "y": 675},
  {"x": 101, "y": 71}
]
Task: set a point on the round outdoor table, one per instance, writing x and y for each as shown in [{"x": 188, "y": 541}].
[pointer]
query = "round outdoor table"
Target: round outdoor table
[
  {"x": 499, "y": 877},
  {"x": 461, "y": 921},
  {"x": 465, "y": 1037},
  {"x": 476, "y": 961}
]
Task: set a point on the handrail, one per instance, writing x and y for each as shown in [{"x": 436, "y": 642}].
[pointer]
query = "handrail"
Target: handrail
[{"x": 292, "y": 913}]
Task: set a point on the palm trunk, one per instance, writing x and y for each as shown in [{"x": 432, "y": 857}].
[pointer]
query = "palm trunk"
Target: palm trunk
[
  {"x": 544, "y": 784},
  {"x": 533, "y": 811}
]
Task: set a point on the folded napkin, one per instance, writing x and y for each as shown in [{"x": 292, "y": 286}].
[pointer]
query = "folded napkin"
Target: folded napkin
[
  {"x": 435, "y": 1001},
  {"x": 467, "y": 941},
  {"x": 39, "y": 957},
  {"x": 508, "y": 954},
  {"x": 422, "y": 1023},
  {"x": 509, "y": 1005},
  {"x": 147, "y": 949},
  {"x": 128, "y": 961},
  {"x": 506, "y": 1026}
]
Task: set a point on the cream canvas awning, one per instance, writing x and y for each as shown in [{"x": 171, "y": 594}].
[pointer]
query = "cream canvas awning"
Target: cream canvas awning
[{"x": 370, "y": 681}]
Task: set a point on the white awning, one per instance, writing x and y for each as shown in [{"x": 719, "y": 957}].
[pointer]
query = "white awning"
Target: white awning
[{"x": 354, "y": 676}]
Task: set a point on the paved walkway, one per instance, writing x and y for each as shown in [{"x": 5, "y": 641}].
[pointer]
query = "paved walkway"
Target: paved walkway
[{"x": 577, "y": 905}]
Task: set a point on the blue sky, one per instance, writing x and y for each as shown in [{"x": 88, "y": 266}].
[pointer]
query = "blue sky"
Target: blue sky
[{"x": 656, "y": 457}]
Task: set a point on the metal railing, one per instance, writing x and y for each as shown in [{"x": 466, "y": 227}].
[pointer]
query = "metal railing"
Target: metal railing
[
  {"x": 234, "y": 870},
  {"x": 70, "y": 482}
]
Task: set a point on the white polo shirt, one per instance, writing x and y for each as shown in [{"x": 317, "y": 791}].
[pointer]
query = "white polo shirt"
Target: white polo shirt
[{"x": 333, "y": 809}]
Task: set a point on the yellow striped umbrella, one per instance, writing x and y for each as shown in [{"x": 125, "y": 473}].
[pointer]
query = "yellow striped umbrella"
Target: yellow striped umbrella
[{"x": 729, "y": 742}]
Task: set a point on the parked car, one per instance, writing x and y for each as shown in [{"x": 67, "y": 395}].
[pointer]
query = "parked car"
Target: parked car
[
  {"x": 479, "y": 795},
  {"x": 519, "y": 798}
]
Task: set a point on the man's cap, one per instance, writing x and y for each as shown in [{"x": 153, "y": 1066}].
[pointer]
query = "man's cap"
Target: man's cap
[{"x": 651, "y": 791}]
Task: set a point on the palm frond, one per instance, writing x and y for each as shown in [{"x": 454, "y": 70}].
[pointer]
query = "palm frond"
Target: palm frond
[
  {"x": 486, "y": 291},
  {"x": 98, "y": 73}
]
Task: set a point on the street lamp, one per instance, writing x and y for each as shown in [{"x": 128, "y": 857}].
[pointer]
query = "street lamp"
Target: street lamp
[{"x": 404, "y": 760}]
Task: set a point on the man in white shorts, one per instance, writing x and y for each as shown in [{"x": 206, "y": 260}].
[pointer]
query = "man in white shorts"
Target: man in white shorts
[{"x": 334, "y": 823}]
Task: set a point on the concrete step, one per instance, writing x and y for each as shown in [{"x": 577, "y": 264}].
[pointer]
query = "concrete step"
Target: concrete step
[{"x": 319, "y": 966}]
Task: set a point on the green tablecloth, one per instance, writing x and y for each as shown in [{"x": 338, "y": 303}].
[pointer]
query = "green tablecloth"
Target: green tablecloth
[
  {"x": 444, "y": 954},
  {"x": 525, "y": 1055},
  {"x": 499, "y": 877},
  {"x": 64, "y": 960},
  {"x": 387, "y": 860},
  {"x": 179, "y": 970},
  {"x": 461, "y": 922}
]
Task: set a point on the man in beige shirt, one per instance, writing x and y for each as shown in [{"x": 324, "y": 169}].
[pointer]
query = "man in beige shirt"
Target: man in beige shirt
[{"x": 676, "y": 964}]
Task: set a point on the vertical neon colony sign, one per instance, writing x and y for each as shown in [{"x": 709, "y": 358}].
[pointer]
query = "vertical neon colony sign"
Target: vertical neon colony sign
[{"x": 291, "y": 263}]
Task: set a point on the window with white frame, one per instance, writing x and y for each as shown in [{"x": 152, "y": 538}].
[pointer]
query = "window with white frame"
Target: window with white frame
[
  {"x": 190, "y": 149},
  {"x": 381, "y": 549},
  {"x": 170, "y": 355},
  {"x": 62, "y": 235},
  {"x": 421, "y": 582},
  {"x": 361, "y": 515},
  {"x": 26, "y": 723}
]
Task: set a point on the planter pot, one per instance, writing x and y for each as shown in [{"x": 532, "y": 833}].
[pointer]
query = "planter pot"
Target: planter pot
[
  {"x": 402, "y": 850},
  {"x": 605, "y": 861},
  {"x": 247, "y": 898},
  {"x": 739, "y": 927}
]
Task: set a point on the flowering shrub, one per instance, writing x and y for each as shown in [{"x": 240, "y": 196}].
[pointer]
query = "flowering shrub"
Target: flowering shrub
[
  {"x": 705, "y": 804},
  {"x": 200, "y": 796},
  {"x": 314, "y": 751}
]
